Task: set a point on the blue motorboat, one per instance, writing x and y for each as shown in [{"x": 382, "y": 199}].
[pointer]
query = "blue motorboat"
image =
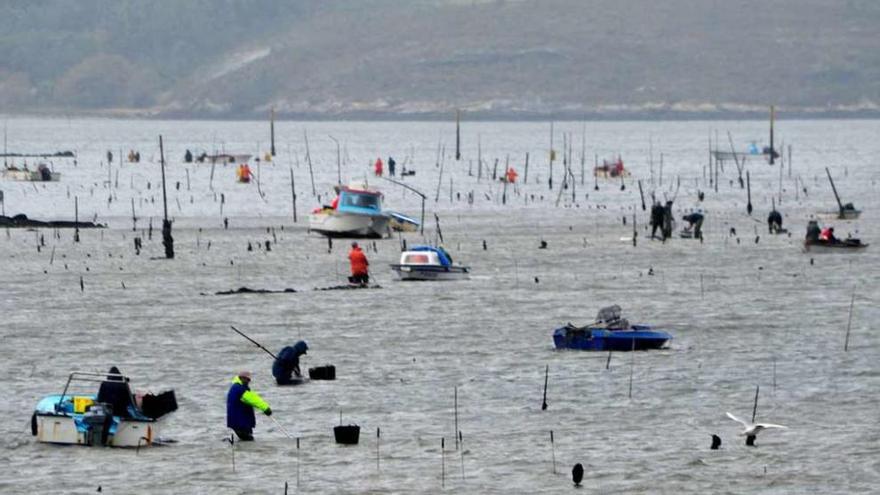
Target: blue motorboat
[{"x": 610, "y": 332}]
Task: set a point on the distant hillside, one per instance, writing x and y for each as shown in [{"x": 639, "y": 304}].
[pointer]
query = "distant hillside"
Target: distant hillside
[{"x": 424, "y": 58}]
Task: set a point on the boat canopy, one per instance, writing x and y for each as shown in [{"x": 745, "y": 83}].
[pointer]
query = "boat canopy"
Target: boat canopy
[
  {"x": 610, "y": 316},
  {"x": 444, "y": 257}
]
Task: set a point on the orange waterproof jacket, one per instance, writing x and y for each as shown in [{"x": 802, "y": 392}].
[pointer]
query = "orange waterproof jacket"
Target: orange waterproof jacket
[{"x": 358, "y": 261}]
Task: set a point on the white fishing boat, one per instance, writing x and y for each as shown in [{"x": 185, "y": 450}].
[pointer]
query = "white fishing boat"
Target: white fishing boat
[
  {"x": 82, "y": 419},
  {"x": 41, "y": 174},
  {"x": 356, "y": 212},
  {"x": 429, "y": 263}
]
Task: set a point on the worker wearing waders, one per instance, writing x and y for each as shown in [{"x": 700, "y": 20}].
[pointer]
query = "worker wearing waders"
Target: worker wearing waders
[
  {"x": 774, "y": 222},
  {"x": 359, "y": 265},
  {"x": 240, "y": 404},
  {"x": 287, "y": 363}
]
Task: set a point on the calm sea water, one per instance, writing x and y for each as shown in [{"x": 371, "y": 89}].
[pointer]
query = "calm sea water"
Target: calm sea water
[{"x": 746, "y": 310}]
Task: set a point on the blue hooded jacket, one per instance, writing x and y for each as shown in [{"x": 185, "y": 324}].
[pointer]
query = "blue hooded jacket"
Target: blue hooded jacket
[{"x": 288, "y": 361}]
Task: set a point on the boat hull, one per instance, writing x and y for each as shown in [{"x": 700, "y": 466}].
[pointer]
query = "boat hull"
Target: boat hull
[
  {"x": 62, "y": 429},
  {"x": 638, "y": 338},
  {"x": 30, "y": 176},
  {"x": 838, "y": 247},
  {"x": 429, "y": 272},
  {"x": 333, "y": 223}
]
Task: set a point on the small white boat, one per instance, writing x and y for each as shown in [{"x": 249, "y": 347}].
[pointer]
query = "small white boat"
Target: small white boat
[
  {"x": 429, "y": 263},
  {"x": 41, "y": 174},
  {"x": 356, "y": 212},
  {"x": 79, "y": 419}
]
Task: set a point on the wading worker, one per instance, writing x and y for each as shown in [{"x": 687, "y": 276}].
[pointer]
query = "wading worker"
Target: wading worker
[
  {"x": 240, "y": 404},
  {"x": 360, "y": 273},
  {"x": 287, "y": 363}
]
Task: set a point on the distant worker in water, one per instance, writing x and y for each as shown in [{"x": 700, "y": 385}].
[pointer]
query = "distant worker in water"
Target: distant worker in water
[
  {"x": 377, "y": 168},
  {"x": 240, "y": 404},
  {"x": 392, "y": 165},
  {"x": 667, "y": 221},
  {"x": 813, "y": 230},
  {"x": 695, "y": 223},
  {"x": 287, "y": 363},
  {"x": 360, "y": 273},
  {"x": 656, "y": 219},
  {"x": 774, "y": 222}
]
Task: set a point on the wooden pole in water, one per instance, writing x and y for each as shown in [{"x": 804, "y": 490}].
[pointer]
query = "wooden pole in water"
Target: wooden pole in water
[
  {"x": 167, "y": 240},
  {"x": 755, "y": 407},
  {"x": 338, "y": 161},
  {"x": 272, "y": 131},
  {"x": 479, "y": 159},
  {"x": 632, "y": 366},
  {"x": 772, "y": 119},
  {"x": 309, "y": 160},
  {"x": 75, "y": 219},
  {"x": 852, "y": 303},
  {"x": 461, "y": 453},
  {"x": 642, "y": 194},
  {"x": 526, "y": 177},
  {"x": 748, "y": 188},
  {"x": 553, "y": 451},
  {"x": 455, "y": 413},
  {"x": 552, "y": 156},
  {"x": 293, "y": 194},
  {"x": 297, "y": 462},
  {"x": 546, "y": 378},
  {"x": 442, "y": 461},
  {"x": 378, "y": 436},
  {"x": 457, "y": 135}
]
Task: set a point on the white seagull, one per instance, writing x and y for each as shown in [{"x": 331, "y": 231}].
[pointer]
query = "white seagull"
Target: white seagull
[{"x": 752, "y": 429}]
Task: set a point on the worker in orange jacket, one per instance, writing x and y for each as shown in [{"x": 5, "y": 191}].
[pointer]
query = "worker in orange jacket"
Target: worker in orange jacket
[{"x": 360, "y": 273}]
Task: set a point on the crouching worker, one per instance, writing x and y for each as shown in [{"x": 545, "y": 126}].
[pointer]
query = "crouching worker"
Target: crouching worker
[
  {"x": 287, "y": 363},
  {"x": 240, "y": 404}
]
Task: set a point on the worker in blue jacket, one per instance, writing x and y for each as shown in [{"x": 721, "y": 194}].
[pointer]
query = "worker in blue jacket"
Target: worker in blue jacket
[
  {"x": 287, "y": 363},
  {"x": 240, "y": 404}
]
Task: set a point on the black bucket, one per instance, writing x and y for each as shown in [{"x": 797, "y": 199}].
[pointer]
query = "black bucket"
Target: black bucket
[
  {"x": 347, "y": 435},
  {"x": 327, "y": 372}
]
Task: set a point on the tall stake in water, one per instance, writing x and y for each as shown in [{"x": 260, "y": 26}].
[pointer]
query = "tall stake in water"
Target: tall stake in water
[
  {"x": 167, "y": 240},
  {"x": 552, "y": 156},
  {"x": 309, "y": 160},
  {"x": 455, "y": 409},
  {"x": 852, "y": 303},
  {"x": 457, "y": 135},
  {"x": 293, "y": 194},
  {"x": 772, "y": 119},
  {"x": 272, "y": 131},
  {"x": 749, "y": 192}
]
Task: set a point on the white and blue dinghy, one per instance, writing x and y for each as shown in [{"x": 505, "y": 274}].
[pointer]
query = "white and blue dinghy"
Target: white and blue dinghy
[{"x": 90, "y": 419}]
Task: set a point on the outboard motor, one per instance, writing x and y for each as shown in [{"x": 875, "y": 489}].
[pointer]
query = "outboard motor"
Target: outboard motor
[{"x": 98, "y": 418}]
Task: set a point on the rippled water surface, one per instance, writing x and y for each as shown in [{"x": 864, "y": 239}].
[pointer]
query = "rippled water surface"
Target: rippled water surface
[{"x": 745, "y": 310}]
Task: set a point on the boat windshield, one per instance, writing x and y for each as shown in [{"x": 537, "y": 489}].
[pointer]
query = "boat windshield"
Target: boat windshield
[{"x": 370, "y": 201}]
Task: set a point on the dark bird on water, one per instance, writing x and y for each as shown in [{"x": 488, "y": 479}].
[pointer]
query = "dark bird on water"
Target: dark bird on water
[
  {"x": 716, "y": 442},
  {"x": 577, "y": 474}
]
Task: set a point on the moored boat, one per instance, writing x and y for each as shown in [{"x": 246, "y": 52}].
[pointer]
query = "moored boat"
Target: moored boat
[
  {"x": 429, "y": 263},
  {"x": 610, "y": 332},
  {"x": 41, "y": 174},
  {"x": 356, "y": 212},
  {"x": 82, "y": 419},
  {"x": 836, "y": 246}
]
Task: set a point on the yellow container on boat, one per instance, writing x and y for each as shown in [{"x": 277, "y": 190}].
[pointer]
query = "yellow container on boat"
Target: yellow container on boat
[{"x": 81, "y": 403}]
